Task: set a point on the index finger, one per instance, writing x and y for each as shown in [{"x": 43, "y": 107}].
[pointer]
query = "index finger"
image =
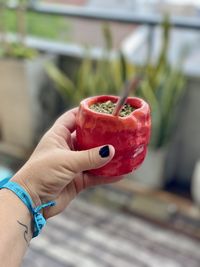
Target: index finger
[{"x": 68, "y": 119}]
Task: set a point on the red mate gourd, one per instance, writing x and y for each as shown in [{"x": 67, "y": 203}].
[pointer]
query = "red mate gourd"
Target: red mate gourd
[{"x": 129, "y": 134}]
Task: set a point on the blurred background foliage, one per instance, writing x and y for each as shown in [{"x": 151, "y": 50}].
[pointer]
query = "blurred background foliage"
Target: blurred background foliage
[
  {"x": 25, "y": 23},
  {"x": 103, "y": 76},
  {"x": 162, "y": 86},
  {"x": 39, "y": 25}
]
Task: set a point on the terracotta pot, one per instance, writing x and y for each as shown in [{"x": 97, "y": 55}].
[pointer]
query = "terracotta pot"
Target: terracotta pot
[{"x": 129, "y": 135}]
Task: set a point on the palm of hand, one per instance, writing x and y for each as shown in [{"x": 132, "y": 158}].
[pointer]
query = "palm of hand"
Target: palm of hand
[{"x": 62, "y": 169}]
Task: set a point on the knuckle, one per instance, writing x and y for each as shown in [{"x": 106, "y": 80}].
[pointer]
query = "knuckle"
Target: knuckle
[{"x": 91, "y": 157}]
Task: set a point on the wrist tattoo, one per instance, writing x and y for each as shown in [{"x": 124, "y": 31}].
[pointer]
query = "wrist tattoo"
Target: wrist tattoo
[{"x": 26, "y": 231}]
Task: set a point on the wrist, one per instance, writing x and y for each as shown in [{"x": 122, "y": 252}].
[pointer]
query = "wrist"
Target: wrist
[
  {"x": 16, "y": 210},
  {"x": 38, "y": 219},
  {"x": 23, "y": 179}
]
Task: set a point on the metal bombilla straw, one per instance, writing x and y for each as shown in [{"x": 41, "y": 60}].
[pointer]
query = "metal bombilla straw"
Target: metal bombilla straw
[{"x": 128, "y": 87}]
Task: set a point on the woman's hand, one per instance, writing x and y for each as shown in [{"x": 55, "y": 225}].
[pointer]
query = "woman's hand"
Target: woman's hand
[{"x": 56, "y": 172}]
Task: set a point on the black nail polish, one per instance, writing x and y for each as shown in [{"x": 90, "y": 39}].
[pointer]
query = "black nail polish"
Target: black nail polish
[{"x": 104, "y": 151}]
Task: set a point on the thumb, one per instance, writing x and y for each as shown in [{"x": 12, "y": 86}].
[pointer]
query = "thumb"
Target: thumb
[{"x": 93, "y": 158}]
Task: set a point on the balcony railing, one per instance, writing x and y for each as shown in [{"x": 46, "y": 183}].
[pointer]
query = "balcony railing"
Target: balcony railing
[
  {"x": 149, "y": 20},
  {"x": 112, "y": 16}
]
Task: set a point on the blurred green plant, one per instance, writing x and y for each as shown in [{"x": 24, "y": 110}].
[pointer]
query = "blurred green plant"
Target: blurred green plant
[
  {"x": 18, "y": 48},
  {"x": 162, "y": 85},
  {"x": 103, "y": 76},
  {"x": 40, "y": 25},
  {"x": 23, "y": 22}
]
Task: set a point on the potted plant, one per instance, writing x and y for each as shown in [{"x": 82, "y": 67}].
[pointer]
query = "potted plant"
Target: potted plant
[
  {"x": 162, "y": 87},
  {"x": 22, "y": 76}
]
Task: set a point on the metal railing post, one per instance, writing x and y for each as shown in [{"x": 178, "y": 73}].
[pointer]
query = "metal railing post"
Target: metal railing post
[{"x": 150, "y": 42}]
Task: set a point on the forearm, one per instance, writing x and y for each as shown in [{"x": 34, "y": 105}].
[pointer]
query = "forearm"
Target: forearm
[{"x": 15, "y": 229}]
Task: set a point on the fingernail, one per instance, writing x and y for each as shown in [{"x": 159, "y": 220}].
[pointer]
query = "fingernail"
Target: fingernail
[{"x": 104, "y": 151}]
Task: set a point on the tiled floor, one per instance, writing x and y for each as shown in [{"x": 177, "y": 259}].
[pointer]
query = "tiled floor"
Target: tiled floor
[{"x": 86, "y": 235}]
